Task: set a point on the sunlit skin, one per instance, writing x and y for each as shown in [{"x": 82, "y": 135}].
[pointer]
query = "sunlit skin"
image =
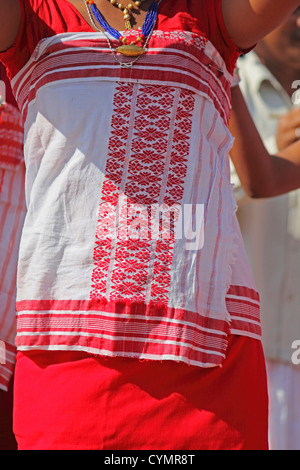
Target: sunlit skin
[
  {"x": 280, "y": 52},
  {"x": 247, "y": 21},
  {"x": 114, "y": 16}
]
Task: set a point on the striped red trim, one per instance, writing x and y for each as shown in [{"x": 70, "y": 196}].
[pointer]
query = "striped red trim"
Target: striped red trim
[
  {"x": 174, "y": 62},
  {"x": 122, "y": 348},
  {"x": 11, "y": 137},
  {"x": 118, "y": 307},
  {"x": 249, "y": 310},
  {"x": 134, "y": 330},
  {"x": 244, "y": 309},
  {"x": 112, "y": 330},
  {"x": 243, "y": 291}
]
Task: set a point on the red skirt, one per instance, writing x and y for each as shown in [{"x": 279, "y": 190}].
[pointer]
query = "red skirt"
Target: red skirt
[{"x": 72, "y": 400}]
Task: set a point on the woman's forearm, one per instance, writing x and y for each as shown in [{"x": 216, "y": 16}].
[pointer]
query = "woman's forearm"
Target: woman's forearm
[
  {"x": 286, "y": 169},
  {"x": 9, "y": 22},
  {"x": 261, "y": 174}
]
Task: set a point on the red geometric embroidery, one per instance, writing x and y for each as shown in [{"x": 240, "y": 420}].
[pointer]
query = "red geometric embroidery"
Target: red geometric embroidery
[
  {"x": 173, "y": 194},
  {"x": 146, "y": 168},
  {"x": 110, "y": 191},
  {"x": 11, "y": 137}
]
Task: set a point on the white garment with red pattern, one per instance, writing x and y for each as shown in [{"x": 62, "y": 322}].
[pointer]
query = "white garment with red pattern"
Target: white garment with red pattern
[{"x": 105, "y": 146}]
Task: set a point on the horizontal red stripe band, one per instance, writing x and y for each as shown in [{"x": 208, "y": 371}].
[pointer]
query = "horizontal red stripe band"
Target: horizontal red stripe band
[
  {"x": 121, "y": 348},
  {"x": 198, "y": 54},
  {"x": 121, "y": 307},
  {"x": 246, "y": 327},
  {"x": 139, "y": 338},
  {"x": 94, "y": 324},
  {"x": 196, "y": 77},
  {"x": 243, "y": 291}
]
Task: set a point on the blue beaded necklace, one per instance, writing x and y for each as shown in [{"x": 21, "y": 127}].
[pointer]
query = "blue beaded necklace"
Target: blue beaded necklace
[{"x": 131, "y": 49}]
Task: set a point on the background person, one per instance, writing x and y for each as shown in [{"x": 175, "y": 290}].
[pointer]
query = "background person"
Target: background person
[{"x": 271, "y": 227}]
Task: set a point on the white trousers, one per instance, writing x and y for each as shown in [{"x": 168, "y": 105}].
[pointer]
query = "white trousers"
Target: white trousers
[{"x": 284, "y": 405}]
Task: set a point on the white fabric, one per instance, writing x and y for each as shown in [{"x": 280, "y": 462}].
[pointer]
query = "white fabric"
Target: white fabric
[{"x": 160, "y": 138}]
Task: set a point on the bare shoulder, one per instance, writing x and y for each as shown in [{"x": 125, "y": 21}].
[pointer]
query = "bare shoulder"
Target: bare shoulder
[
  {"x": 9, "y": 22},
  {"x": 248, "y": 21}
]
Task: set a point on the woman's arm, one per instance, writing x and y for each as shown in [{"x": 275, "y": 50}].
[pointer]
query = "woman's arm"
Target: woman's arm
[
  {"x": 247, "y": 21},
  {"x": 9, "y": 22},
  {"x": 261, "y": 174}
]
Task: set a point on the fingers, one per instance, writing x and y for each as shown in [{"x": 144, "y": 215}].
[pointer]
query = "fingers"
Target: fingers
[{"x": 288, "y": 130}]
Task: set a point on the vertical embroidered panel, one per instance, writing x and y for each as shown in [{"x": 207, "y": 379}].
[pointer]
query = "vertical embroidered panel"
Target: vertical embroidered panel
[
  {"x": 145, "y": 174},
  {"x": 174, "y": 188},
  {"x": 106, "y": 226}
]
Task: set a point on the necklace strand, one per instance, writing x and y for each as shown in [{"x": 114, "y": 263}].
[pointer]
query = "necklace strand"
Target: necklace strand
[
  {"x": 127, "y": 11},
  {"x": 147, "y": 28}
]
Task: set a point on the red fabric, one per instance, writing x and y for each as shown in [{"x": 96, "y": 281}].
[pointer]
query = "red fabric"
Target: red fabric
[
  {"x": 70, "y": 400},
  {"x": 59, "y": 16}
]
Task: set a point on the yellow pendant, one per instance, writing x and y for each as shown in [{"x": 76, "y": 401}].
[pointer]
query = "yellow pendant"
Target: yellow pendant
[{"x": 130, "y": 50}]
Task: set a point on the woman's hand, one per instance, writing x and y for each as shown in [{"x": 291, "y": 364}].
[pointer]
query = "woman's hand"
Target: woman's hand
[
  {"x": 261, "y": 174},
  {"x": 288, "y": 130}
]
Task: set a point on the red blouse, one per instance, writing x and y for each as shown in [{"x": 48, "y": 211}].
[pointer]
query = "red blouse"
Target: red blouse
[{"x": 60, "y": 16}]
